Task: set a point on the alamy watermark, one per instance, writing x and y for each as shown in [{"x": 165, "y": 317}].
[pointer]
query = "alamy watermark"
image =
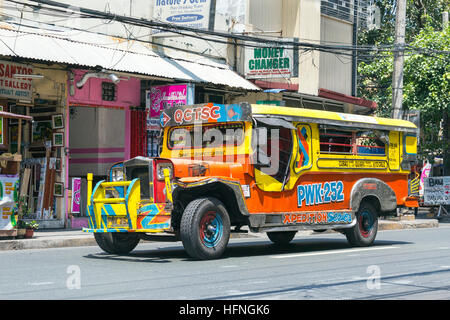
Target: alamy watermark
[
  {"x": 264, "y": 143},
  {"x": 374, "y": 279},
  {"x": 74, "y": 279}
]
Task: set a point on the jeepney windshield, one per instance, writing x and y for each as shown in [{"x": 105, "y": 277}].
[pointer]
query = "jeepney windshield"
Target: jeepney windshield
[{"x": 206, "y": 136}]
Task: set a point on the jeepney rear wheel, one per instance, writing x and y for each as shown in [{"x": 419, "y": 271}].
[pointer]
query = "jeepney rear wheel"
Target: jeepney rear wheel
[
  {"x": 116, "y": 243},
  {"x": 281, "y": 237},
  {"x": 205, "y": 228},
  {"x": 365, "y": 230}
]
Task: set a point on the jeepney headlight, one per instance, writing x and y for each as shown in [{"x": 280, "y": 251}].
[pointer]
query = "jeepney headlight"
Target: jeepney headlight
[
  {"x": 160, "y": 169},
  {"x": 117, "y": 174}
]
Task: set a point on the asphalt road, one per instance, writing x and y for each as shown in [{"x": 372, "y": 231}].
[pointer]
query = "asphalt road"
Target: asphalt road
[{"x": 402, "y": 264}]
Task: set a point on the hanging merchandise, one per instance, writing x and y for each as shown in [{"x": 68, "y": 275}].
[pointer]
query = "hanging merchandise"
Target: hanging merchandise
[
  {"x": 9, "y": 185},
  {"x": 76, "y": 195}
]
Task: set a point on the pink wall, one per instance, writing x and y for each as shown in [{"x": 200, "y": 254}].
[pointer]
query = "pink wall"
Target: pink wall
[{"x": 128, "y": 94}]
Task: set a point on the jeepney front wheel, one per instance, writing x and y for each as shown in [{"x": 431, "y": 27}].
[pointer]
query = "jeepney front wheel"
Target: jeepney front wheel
[
  {"x": 116, "y": 243},
  {"x": 365, "y": 230},
  {"x": 205, "y": 228}
]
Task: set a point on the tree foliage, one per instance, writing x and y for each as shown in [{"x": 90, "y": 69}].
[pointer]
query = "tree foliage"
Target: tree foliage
[{"x": 426, "y": 78}]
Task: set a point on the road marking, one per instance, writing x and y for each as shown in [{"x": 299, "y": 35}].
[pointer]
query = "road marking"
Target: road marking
[
  {"x": 231, "y": 266},
  {"x": 40, "y": 283},
  {"x": 330, "y": 252}
]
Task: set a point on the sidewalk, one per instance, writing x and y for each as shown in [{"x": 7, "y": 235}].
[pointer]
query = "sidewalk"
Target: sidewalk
[{"x": 59, "y": 238}]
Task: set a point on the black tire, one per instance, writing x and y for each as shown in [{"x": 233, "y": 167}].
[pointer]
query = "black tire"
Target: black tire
[
  {"x": 116, "y": 243},
  {"x": 365, "y": 230},
  {"x": 281, "y": 237},
  {"x": 205, "y": 228}
]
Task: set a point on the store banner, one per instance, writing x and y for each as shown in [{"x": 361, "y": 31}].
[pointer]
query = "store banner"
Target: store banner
[
  {"x": 198, "y": 14},
  {"x": 159, "y": 98},
  {"x": 76, "y": 195},
  {"x": 9, "y": 186},
  {"x": 13, "y": 84}
]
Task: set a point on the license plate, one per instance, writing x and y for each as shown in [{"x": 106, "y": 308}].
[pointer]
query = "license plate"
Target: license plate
[{"x": 117, "y": 222}]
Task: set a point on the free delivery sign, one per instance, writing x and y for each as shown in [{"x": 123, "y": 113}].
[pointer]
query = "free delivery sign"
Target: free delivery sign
[{"x": 197, "y": 14}]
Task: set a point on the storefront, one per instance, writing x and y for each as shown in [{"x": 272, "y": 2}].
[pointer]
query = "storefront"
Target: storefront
[
  {"x": 36, "y": 91},
  {"x": 101, "y": 130}
]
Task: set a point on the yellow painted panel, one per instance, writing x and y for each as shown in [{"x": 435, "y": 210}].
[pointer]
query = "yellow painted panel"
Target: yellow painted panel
[
  {"x": 328, "y": 163},
  {"x": 394, "y": 150},
  {"x": 411, "y": 144}
]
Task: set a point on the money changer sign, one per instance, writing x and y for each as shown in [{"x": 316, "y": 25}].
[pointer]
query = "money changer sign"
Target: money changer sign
[{"x": 270, "y": 62}]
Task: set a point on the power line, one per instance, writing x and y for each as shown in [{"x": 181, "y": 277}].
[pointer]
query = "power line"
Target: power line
[
  {"x": 256, "y": 42},
  {"x": 84, "y": 12}
]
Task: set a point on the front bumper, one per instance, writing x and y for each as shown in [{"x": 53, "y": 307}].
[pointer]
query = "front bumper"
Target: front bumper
[{"x": 128, "y": 214}]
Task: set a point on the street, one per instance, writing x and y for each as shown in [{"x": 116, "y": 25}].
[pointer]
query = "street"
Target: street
[{"x": 402, "y": 264}]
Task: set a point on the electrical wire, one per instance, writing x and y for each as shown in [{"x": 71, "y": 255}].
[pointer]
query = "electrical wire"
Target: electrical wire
[
  {"x": 213, "y": 36},
  {"x": 182, "y": 30}
]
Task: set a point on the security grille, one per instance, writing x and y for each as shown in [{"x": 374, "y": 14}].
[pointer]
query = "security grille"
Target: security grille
[{"x": 345, "y": 10}]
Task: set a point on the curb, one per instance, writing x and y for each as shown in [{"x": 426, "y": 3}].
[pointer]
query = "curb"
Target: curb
[
  {"x": 22, "y": 244},
  {"x": 407, "y": 224},
  {"x": 88, "y": 240}
]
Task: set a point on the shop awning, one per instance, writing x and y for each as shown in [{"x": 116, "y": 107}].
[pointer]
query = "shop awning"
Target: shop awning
[{"x": 92, "y": 51}]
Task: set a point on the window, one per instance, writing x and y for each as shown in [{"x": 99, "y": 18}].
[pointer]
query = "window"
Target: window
[
  {"x": 108, "y": 91},
  {"x": 206, "y": 136},
  {"x": 335, "y": 140}
]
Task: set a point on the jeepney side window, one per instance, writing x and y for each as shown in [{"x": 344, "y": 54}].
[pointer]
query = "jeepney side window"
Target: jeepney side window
[
  {"x": 334, "y": 140},
  {"x": 370, "y": 143},
  {"x": 352, "y": 141}
]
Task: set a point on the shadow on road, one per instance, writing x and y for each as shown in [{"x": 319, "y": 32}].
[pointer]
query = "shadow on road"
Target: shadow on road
[{"x": 237, "y": 250}]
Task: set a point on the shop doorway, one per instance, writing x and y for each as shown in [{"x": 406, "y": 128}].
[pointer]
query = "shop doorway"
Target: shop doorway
[{"x": 97, "y": 138}]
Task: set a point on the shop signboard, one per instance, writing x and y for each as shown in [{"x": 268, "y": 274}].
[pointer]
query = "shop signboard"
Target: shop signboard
[
  {"x": 13, "y": 85},
  {"x": 270, "y": 62},
  {"x": 436, "y": 191},
  {"x": 159, "y": 98},
  {"x": 76, "y": 195},
  {"x": 198, "y": 14},
  {"x": 8, "y": 198}
]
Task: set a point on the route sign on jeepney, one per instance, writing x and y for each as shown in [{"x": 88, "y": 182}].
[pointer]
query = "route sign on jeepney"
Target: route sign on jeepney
[
  {"x": 205, "y": 113},
  {"x": 436, "y": 191}
]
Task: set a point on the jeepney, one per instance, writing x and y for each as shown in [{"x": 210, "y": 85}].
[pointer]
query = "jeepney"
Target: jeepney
[{"x": 273, "y": 169}]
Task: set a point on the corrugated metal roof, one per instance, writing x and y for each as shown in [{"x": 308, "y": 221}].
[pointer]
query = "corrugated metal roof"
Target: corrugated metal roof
[{"x": 115, "y": 55}]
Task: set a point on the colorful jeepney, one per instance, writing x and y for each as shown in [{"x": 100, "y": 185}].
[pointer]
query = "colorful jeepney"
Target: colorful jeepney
[{"x": 273, "y": 169}]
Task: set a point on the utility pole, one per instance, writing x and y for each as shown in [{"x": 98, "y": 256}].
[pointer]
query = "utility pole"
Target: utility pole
[
  {"x": 444, "y": 20},
  {"x": 446, "y": 118},
  {"x": 399, "y": 45}
]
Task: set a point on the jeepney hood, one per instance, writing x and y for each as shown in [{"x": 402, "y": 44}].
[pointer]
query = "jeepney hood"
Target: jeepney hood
[{"x": 187, "y": 168}]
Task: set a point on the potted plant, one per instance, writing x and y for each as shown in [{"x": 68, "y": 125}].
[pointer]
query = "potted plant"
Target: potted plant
[
  {"x": 30, "y": 227},
  {"x": 23, "y": 213}
]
